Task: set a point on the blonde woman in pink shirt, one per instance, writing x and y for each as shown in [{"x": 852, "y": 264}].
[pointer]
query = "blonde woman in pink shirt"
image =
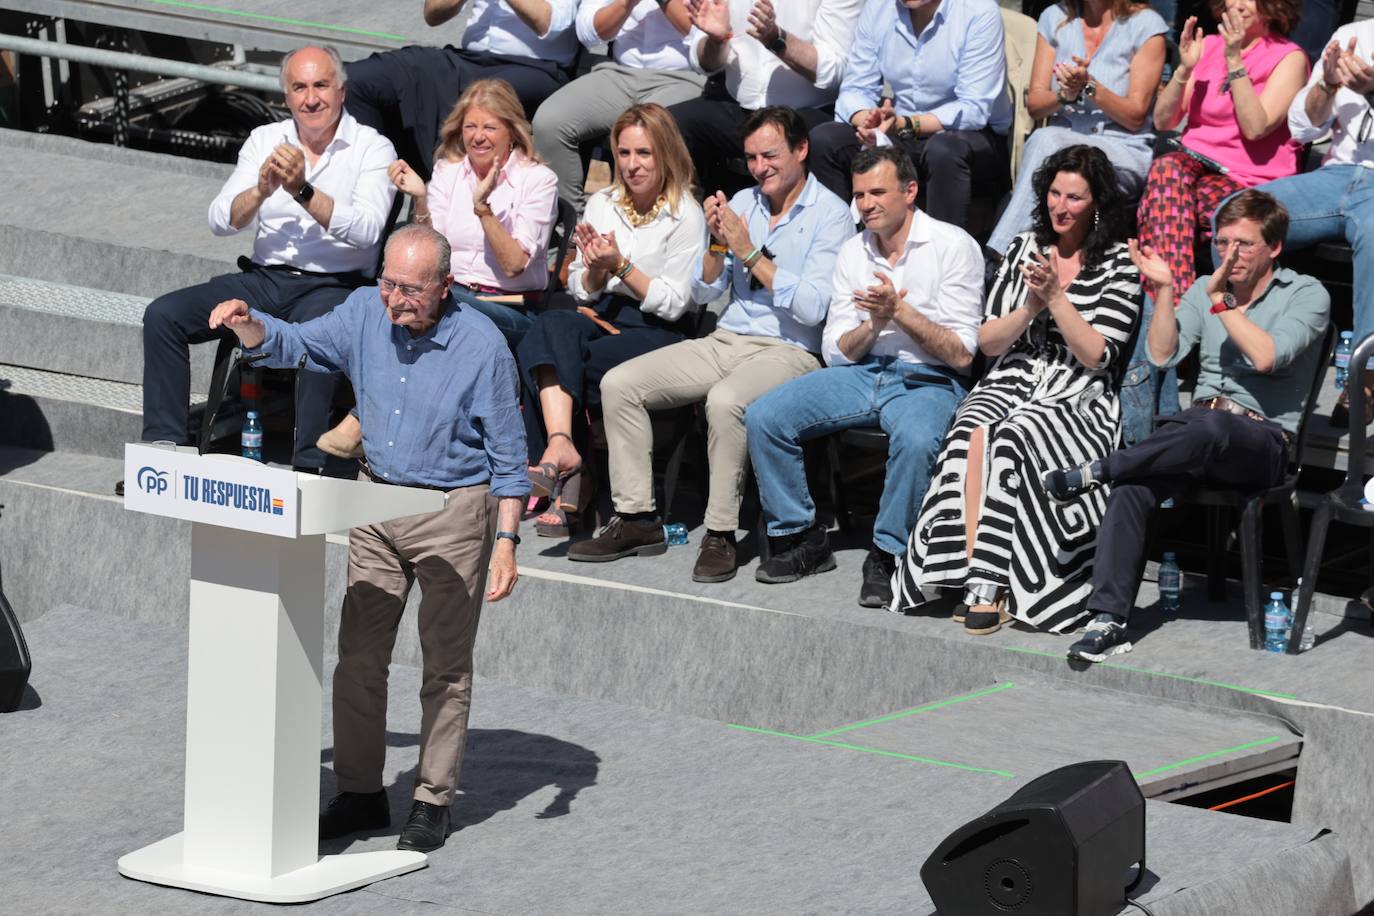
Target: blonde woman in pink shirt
[
  {"x": 1234, "y": 88},
  {"x": 496, "y": 203}
]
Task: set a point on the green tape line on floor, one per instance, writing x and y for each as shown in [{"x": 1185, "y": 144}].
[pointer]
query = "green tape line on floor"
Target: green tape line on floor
[
  {"x": 911, "y": 712},
  {"x": 873, "y": 750},
  {"x": 281, "y": 20},
  {"x": 1177, "y": 677},
  {"x": 1213, "y": 755}
]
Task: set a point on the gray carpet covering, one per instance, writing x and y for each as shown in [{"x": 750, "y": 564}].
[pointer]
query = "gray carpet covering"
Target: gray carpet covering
[{"x": 569, "y": 805}]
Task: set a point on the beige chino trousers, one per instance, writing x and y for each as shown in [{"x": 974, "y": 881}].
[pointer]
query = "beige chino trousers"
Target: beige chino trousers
[
  {"x": 447, "y": 552},
  {"x": 730, "y": 371}
]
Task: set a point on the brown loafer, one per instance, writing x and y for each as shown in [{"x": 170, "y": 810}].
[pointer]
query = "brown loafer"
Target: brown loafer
[
  {"x": 715, "y": 560},
  {"x": 621, "y": 538}
]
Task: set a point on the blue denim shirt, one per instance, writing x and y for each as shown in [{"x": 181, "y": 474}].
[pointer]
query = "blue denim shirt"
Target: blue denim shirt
[
  {"x": 440, "y": 409},
  {"x": 804, "y": 244},
  {"x": 956, "y": 69}
]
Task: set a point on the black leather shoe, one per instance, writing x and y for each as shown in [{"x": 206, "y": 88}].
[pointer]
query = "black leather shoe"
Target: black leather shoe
[
  {"x": 877, "y": 588},
  {"x": 119, "y": 488},
  {"x": 427, "y": 828},
  {"x": 351, "y": 812}
]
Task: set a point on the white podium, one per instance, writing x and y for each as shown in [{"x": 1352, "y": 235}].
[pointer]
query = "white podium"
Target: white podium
[{"x": 253, "y": 699}]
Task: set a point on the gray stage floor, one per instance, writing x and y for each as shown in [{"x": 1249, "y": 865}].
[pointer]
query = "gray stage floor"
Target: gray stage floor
[{"x": 569, "y": 806}]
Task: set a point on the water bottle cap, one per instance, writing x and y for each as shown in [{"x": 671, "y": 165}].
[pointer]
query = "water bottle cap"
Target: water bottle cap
[
  {"x": 1347, "y": 335},
  {"x": 1276, "y": 596},
  {"x": 252, "y": 414},
  {"x": 1169, "y": 555}
]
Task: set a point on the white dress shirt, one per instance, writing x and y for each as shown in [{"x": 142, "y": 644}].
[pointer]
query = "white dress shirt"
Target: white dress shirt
[
  {"x": 352, "y": 172},
  {"x": 1348, "y": 110},
  {"x": 756, "y": 77},
  {"x": 665, "y": 250},
  {"x": 646, "y": 40},
  {"x": 495, "y": 28},
  {"x": 941, "y": 270}
]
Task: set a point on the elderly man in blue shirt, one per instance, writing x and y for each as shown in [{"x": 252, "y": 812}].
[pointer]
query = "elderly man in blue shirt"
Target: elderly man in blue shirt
[
  {"x": 946, "y": 64},
  {"x": 773, "y": 248},
  {"x": 438, "y": 401}
]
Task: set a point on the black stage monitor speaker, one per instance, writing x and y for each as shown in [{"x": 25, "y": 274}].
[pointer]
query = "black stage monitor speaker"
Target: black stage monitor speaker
[
  {"x": 14, "y": 658},
  {"x": 1062, "y": 845}
]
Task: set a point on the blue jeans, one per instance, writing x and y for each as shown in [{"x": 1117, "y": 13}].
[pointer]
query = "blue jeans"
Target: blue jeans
[
  {"x": 1334, "y": 202},
  {"x": 1146, "y": 390},
  {"x": 511, "y": 322},
  {"x": 913, "y": 404},
  {"x": 1130, "y": 157}
]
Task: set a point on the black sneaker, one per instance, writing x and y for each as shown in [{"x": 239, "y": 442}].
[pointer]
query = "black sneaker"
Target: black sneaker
[
  {"x": 1066, "y": 483},
  {"x": 877, "y": 588},
  {"x": 427, "y": 828},
  {"x": 351, "y": 812},
  {"x": 803, "y": 554},
  {"x": 1105, "y": 637}
]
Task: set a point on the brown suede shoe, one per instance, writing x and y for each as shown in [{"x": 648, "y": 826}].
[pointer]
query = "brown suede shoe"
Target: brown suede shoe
[
  {"x": 621, "y": 538},
  {"x": 716, "y": 560}
]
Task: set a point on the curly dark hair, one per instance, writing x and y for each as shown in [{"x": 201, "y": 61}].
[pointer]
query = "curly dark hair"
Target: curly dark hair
[{"x": 1108, "y": 201}]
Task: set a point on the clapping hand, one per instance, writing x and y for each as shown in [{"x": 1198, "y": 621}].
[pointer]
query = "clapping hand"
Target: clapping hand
[
  {"x": 875, "y": 121},
  {"x": 1232, "y": 32},
  {"x": 268, "y": 182},
  {"x": 1072, "y": 77},
  {"x": 288, "y": 163},
  {"x": 712, "y": 17},
  {"x": 1355, "y": 73},
  {"x": 1220, "y": 279},
  {"x": 881, "y": 300},
  {"x": 763, "y": 22},
  {"x": 405, "y": 178},
  {"x": 726, "y": 225},
  {"x": 599, "y": 252},
  {"x": 1042, "y": 278},
  {"x": 1190, "y": 44},
  {"x": 1151, "y": 266},
  {"x": 487, "y": 182}
]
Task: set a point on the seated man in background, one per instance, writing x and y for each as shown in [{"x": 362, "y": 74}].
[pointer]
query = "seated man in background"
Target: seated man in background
[
  {"x": 316, "y": 191},
  {"x": 899, "y": 341},
  {"x": 1259, "y": 330},
  {"x": 405, "y": 94},
  {"x": 1336, "y": 201},
  {"x": 760, "y": 53},
  {"x": 946, "y": 62},
  {"x": 773, "y": 248},
  {"x": 648, "y": 44}
]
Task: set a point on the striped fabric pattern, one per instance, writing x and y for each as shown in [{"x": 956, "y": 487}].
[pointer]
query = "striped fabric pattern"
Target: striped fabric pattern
[{"x": 1041, "y": 410}]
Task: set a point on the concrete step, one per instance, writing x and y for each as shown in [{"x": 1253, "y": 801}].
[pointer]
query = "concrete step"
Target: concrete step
[
  {"x": 79, "y": 331},
  {"x": 56, "y": 411},
  {"x": 94, "y": 216}
]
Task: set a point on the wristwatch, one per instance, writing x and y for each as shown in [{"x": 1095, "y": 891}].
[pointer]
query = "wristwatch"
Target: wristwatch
[
  {"x": 508, "y": 536},
  {"x": 908, "y": 130},
  {"x": 1089, "y": 90},
  {"x": 1224, "y": 304},
  {"x": 304, "y": 194},
  {"x": 778, "y": 45}
]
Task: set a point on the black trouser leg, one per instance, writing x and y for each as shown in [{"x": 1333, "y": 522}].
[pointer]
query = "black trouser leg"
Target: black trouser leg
[
  {"x": 301, "y": 299},
  {"x": 1120, "y": 555},
  {"x": 833, "y": 148},
  {"x": 952, "y": 163}
]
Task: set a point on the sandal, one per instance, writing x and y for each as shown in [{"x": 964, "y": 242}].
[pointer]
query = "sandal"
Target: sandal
[
  {"x": 546, "y": 479},
  {"x": 566, "y": 507}
]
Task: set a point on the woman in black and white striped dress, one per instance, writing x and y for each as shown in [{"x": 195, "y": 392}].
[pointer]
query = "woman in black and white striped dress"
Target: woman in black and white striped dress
[{"x": 1059, "y": 320}]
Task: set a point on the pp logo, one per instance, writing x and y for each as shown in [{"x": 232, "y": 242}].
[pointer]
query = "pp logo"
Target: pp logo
[{"x": 151, "y": 480}]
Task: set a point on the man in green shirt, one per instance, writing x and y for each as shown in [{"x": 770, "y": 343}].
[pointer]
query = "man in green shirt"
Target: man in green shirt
[{"x": 1259, "y": 331}]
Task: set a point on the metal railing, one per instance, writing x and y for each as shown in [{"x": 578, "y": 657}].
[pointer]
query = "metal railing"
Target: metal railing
[{"x": 121, "y": 60}]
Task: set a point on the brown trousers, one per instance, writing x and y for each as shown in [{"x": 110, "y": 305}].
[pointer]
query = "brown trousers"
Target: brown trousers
[{"x": 448, "y": 552}]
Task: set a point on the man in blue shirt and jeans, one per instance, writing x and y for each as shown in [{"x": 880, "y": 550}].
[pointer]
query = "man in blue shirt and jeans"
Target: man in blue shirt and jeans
[
  {"x": 437, "y": 398},
  {"x": 773, "y": 248}
]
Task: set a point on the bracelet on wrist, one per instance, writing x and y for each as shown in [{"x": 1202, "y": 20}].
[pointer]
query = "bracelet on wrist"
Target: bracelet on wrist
[
  {"x": 752, "y": 258},
  {"x": 624, "y": 269},
  {"x": 719, "y": 249}
]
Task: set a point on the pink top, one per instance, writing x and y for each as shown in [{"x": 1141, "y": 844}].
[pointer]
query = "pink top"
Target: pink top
[
  {"x": 525, "y": 200},
  {"x": 1212, "y": 127}
]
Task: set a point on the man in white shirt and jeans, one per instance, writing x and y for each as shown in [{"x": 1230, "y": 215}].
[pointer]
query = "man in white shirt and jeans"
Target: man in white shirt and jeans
[
  {"x": 761, "y": 53},
  {"x": 1336, "y": 201},
  {"x": 648, "y": 40},
  {"x": 898, "y": 344},
  {"x": 315, "y": 189}
]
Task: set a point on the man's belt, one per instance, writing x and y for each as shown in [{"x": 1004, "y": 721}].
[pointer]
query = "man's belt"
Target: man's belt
[
  {"x": 377, "y": 478},
  {"x": 1240, "y": 410}
]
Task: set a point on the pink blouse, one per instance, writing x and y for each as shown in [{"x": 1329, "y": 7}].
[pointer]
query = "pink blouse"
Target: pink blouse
[
  {"x": 1212, "y": 127},
  {"x": 525, "y": 200}
]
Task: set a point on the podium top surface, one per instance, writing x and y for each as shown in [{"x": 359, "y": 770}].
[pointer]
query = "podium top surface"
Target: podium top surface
[{"x": 234, "y": 492}]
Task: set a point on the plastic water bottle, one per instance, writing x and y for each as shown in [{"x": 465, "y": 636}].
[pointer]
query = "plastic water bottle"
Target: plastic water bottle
[
  {"x": 1170, "y": 582},
  {"x": 250, "y": 439},
  {"x": 1277, "y": 620},
  {"x": 1342, "y": 358},
  {"x": 675, "y": 534},
  {"x": 1309, "y": 635}
]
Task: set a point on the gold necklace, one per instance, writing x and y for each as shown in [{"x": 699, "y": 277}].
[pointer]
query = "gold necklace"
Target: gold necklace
[{"x": 634, "y": 217}]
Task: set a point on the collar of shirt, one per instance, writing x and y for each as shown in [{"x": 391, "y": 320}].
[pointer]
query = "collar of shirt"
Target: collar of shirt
[
  {"x": 917, "y": 235},
  {"x": 345, "y": 133},
  {"x": 503, "y": 176},
  {"x": 437, "y": 337},
  {"x": 905, "y": 29}
]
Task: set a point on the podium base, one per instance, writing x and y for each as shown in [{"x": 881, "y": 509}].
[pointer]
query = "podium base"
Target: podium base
[{"x": 161, "y": 863}]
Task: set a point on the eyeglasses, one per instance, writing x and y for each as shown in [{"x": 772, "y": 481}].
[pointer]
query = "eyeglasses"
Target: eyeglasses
[
  {"x": 407, "y": 291},
  {"x": 1244, "y": 245}
]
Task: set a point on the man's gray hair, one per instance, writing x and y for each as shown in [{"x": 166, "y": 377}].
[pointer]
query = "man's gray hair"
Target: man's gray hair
[
  {"x": 339, "y": 73},
  {"x": 413, "y": 233}
]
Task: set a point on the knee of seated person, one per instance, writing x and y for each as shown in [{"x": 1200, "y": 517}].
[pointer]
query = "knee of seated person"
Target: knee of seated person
[
  {"x": 162, "y": 312},
  {"x": 723, "y": 405},
  {"x": 762, "y": 420}
]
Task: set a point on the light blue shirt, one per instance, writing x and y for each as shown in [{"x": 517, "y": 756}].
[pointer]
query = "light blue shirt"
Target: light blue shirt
[
  {"x": 956, "y": 69},
  {"x": 440, "y": 409},
  {"x": 495, "y": 28},
  {"x": 1110, "y": 65},
  {"x": 804, "y": 245}
]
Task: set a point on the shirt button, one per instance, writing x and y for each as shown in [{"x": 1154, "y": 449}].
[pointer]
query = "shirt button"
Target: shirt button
[
  {"x": 391, "y": 444},
  {"x": 410, "y": 346},
  {"x": 398, "y": 410},
  {"x": 403, "y": 379},
  {"x": 385, "y": 474}
]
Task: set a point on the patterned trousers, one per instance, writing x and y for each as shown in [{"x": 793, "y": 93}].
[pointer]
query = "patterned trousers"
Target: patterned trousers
[{"x": 1176, "y": 212}]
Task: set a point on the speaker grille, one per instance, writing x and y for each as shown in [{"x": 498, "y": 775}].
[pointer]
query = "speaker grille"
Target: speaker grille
[{"x": 1007, "y": 883}]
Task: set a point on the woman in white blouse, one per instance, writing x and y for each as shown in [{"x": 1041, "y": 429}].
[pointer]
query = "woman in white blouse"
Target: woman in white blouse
[{"x": 631, "y": 281}]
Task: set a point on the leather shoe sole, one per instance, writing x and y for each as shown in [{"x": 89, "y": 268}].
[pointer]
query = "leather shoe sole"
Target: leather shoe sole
[{"x": 644, "y": 550}]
